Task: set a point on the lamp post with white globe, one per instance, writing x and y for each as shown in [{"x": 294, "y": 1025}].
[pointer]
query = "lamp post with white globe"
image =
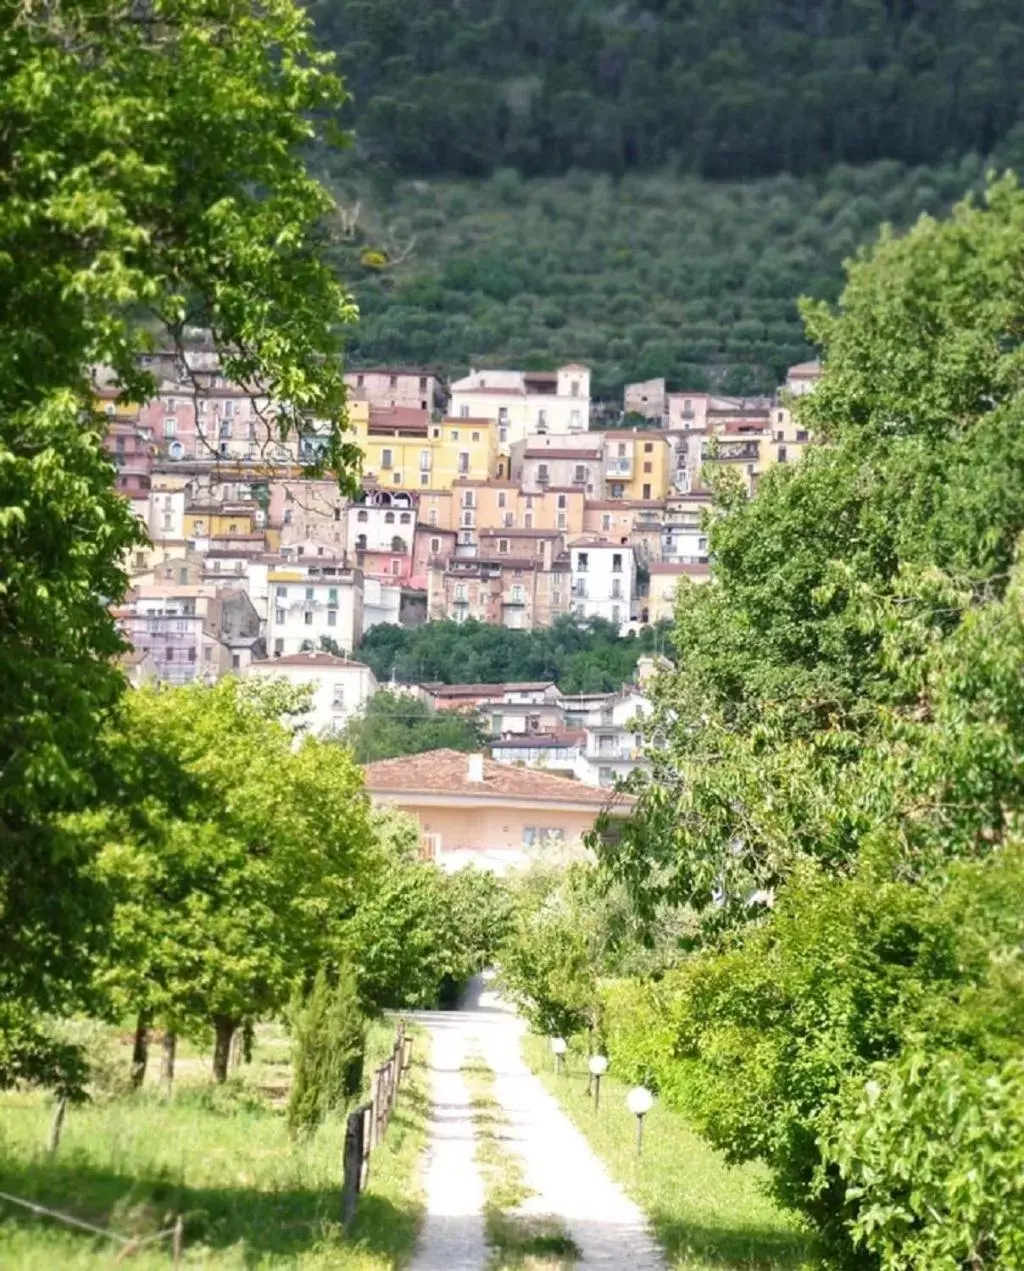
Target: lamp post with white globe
[
  {"x": 598, "y": 1066},
  {"x": 639, "y": 1101},
  {"x": 558, "y": 1048}
]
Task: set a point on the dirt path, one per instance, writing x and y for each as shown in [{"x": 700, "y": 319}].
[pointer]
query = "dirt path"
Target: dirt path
[{"x": 567, "y": 1180}]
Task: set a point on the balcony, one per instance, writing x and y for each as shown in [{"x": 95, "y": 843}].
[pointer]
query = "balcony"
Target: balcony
[
  {"x": 618, "y": 467},
  {"x": 515, "y": 598}
]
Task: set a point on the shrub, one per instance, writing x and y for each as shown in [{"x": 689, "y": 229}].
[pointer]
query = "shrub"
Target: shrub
[{"x": 330, "y": 1039}]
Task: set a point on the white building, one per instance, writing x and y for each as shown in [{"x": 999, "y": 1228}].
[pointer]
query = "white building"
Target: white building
[
  {"x": 613, "y": 745},
  {"x": 555, "y": 752},
  {"x": 312, "y": 599},
  {"x": 166, "y": 520},
  {"x": 341, "y": 688},
  {"x": 382, "y": 603},
  {"x": 382, "y": 521},
  {"x": 524, "y": 402},
  {"x": 603, "y": 580}
]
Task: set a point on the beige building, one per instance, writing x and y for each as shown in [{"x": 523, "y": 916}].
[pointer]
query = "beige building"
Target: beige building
[
  {"x": 340, "y": 688},
  {"x": 560, "y": 463},
  {"x": 412, "y": 387},
  {"x": 313, "y": 598},
  {"x": 472, "y": 810},
  {"x": 524, "y": 402},
  {"x": 646, "y": 398},
  {"x": 524, "y": 593},
  {"x": 664, "y": 586}
]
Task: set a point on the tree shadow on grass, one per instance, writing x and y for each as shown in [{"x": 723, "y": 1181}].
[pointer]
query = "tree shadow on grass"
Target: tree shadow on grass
[
  {"x": 274, "y": 1222},
  {"x": 732, "y": 1249}
]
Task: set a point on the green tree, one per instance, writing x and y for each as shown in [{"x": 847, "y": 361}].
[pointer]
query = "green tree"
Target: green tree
[
  {"x": 152, "y": 176},
  {"x": 393, "y": 724},
  {"x": 330, "y": 1039},
  {"x": 235, "y": 871}
]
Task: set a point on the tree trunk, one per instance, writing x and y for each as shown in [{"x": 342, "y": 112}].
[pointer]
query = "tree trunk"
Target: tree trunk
[
  {"x": 224, "y": 1029},
  {"x": 140, "y": 1050},
  {"x": 170, "y": 1048}
]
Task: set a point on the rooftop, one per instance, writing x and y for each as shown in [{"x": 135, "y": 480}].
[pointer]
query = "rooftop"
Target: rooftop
[
  {"x": 446, "y": 772},
  {"x": 314, "y": 660},
  {"x": 436, "y": 689}
]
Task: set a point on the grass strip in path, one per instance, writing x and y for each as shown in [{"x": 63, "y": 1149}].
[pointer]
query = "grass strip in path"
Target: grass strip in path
[
  {"x": 252, "y": 1197},
  {"x": 518, "y": 1241},
  {"x": 707, "y": 1215}
]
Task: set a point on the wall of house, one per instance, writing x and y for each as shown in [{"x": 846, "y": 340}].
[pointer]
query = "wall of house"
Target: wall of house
[{"x": 482, "y": 829}]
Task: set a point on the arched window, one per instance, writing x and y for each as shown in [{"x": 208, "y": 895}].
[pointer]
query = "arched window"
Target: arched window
[
  {"x": 405, "y": 518},
  {"x": 362, "y": 515},
  {"x": 398, "y": 544},
  {"x": 361, "y": 543},
  {"x": 389, "y": 518}
]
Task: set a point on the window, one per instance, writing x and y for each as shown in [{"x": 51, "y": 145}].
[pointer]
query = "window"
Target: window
[
  {"x": 574, "y": 388},
  {"x": 463, "y": 414},
  {"x": 332, "y": 596},
  {"x": 560, "y": 521},
  {"x": 582, "y": 562},
  {"x": 460, "y": 593},
  {"x": 528, "y": 521},
  {"x": 622, "y": 450},
  {"x": 398, "y": 545},
  {"x": 423, "y": 383},
  {"x": 404, "y": 518},
  {"x": 475, "y": 436},
  {"x": 337, "y": 514},
  {"x": 510, "y": 520},
  {"x": 424, "y": 461},
  {"x": 396, "y": 567},
  {"x": 362, "y": 515},
  {"x": 310, "y": 593},
  {"x": 502, "y": 414},
  {"x": 424, "y": 478},
  {"x": 281, "y": 592},
  {"x": 538, "y": 835},
  {"x": 167, "y": 521},
  {"x": 435, "y": 546},
  {"x": 616, "y": 588},
  {"x": 617, "y": 490},
  {"x": 467, "y": 498},
  {"x": 648, "y": 447},
  {"x": 279, "y": 615},
  {"x": 278, "y": 648},
  {"x": 396, "y": 478},
  {"x": 503, "y": 546},
  {"x": 338, "y": 697},
  {"x": 360, "y": 381},
  {"x": 782, "y": 454},
  {"x": 648, "y": 468},
  {"x": 183, "y": 577},
  {"x": 332, "y": 617},
  {"x": 361, "y": 543},
  {"x": 387, "y": 458},
  {"x": 389, "y": 518},
  {"x": 393, "y": 381},
  {"x": 617, "y": 563},
  {"x": 606, "y": 521},
  {"x": 236, "y": 661},
  {"x": 616, "y": 613},
  {"x": 542, "y": 419},
  {"x": 308, "y": 619},
  {"x": 517, "y": 594},
  {"x": 647, "y": 490},
  {"x": 432, "y": 516},
  {"x": 225, "y": 429},
  {"x": 436, "y": 433},
  {"x": 579, "y": 474},
  {"x": 502, "y": 498},
  {"x": 463, "y": 462},
  {"x": 216, "y": 566},
  {"x": 574, "y": 420},
  {"x": 170, "y": 427},
  {"x": 542, "y": 473},
  {"x": 169, "y": 653}
]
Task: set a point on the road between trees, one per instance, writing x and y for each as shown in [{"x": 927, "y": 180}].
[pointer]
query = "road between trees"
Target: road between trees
[{"x": 568, "y": 1186}]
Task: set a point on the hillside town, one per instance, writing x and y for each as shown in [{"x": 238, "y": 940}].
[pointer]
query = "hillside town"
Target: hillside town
[{"x": 494, "y": 498}]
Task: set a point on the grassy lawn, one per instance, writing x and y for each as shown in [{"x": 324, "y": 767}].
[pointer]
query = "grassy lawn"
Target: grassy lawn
[
  {"x": 707, "y": 1215},
  {"x": 250, "y": 1195}
]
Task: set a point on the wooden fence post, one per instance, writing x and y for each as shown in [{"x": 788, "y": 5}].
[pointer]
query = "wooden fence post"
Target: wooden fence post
[{"x": 352, "y": 1167}]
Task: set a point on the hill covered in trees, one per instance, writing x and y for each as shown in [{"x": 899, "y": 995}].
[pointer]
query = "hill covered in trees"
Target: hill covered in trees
[
  {"x": 727, "y": 90},
  {"x": 654, "y": 274}
]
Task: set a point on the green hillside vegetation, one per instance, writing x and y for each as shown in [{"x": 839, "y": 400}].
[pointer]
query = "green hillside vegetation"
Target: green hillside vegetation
[
  {"x": 581, "y": 657},
  {"x": 727, "y": 90},
  {"x": 655, "y": 274}
]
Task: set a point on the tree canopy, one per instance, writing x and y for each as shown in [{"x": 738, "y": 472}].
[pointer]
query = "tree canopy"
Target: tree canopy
[
  {"x": 152, "y": 177},
  {"x": 394, "y": 724}
]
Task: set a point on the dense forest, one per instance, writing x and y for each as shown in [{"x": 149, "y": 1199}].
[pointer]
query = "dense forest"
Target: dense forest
[
  {"x": 652, "y": 275},
  {"x": 582, "y": 657},
  {"x": 727, "y": 90}
]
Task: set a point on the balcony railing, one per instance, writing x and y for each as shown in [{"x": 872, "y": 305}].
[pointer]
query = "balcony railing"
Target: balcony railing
[
  {"x": 618, "y": 467},
  {"x": 726, "y": 453}
]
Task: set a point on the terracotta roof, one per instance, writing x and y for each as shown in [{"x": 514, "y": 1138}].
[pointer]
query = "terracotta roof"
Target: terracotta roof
[
  {"x": 447, "y": 772},
  {"x": 437, "y": 689},
  {"x": 313, "y": 660},
  {"x": 806, "y": 370}
]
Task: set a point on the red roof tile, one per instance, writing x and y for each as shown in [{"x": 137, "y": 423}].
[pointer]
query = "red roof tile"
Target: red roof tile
[{"x": 447, "y": 772}]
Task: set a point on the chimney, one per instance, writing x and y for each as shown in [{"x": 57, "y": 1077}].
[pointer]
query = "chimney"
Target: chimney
[{"x": 476, "y": 769}]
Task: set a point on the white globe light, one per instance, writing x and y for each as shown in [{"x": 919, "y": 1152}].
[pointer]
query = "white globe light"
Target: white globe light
[
  {"x": 639, "y": 1101},
  {"x": 598, "y": 1065},
  {"x": 558, "y": 1045}
]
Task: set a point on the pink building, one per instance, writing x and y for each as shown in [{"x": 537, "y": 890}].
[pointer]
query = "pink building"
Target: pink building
[{"x": 473, "y": 810}]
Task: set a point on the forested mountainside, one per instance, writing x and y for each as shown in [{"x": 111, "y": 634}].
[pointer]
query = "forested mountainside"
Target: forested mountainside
[
  {"x": 730, "y": 89},
  {"x": 649, "y": 275}
]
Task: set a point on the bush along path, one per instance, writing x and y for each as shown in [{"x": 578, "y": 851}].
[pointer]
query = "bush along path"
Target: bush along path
[{"x": 510, "y": 1181}]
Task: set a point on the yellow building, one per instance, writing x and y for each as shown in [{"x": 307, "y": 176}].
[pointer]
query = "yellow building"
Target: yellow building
[
  {"x": 405, "y": 449},
  {"x": 664, "y": 586},
  {"x": 213, "y": 521},
  {"x": 637, "y": 464}
]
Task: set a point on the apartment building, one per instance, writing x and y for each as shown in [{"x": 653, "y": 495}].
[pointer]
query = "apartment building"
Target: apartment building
[
  {"x": 603, "y": 580},
  {"x": 339, "y": 687},
  {"x": 546, "y": 463},
  {"x": 524, "y": 402},
  {"x": 382, "y": 530},
  {"x": 409, "y": 387},
  {"x": 524, "y": 593},
  {"x": 311, "y": 599},
  {"x": 190, "y": 632},
  {"x": 613, "y": 745},
  {"x": 406, "y": 449},
  {"x": 664, "y": 583},
  {"x": 637, "y": 464}
]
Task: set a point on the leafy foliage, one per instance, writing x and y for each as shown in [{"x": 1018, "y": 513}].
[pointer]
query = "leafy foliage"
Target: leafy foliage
[
  {"x": 152, "y": 175},
  {"x": 651, "y": 275},
  {"x": 581, "y": 657},
  {"x": 330, "y": 1039},
  {"x": 393, "y": 724},
  {"x": 730, "y": 91}
]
